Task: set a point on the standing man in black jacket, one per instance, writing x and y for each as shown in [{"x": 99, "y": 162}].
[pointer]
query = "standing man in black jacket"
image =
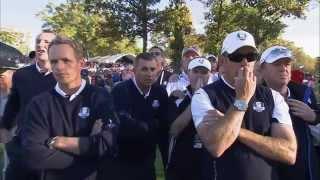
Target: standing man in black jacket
[
  {"x": 186, "y": 147},
  {"x": 27, "y": 82},
  {"x": 68, "y": 130},
  {"x": 142, "y": 109},
  {"x": 275, "y": 68}
]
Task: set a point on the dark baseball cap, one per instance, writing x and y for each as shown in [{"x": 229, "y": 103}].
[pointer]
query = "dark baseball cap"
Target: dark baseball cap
[
  {"x": 8, "y": 64},
  {"x": 9, "y": 57}
]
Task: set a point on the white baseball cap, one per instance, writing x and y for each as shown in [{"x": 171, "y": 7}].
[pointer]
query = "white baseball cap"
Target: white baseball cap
[
  {"x": 187, "y": 49},
  {"x": 236, "y": 40},
  {"x": 275, "y": 53},
  {"x": 199, "y": 62}
]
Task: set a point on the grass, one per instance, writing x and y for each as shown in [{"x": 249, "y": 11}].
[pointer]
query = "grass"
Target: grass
[{"x": 159, "y": 167}]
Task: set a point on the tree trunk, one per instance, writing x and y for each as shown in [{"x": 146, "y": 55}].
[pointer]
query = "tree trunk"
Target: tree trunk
[
  {"x": 145, "y": 41},
  {"x": 177, "y": 46},
  {"x": 144, "y": 25}
]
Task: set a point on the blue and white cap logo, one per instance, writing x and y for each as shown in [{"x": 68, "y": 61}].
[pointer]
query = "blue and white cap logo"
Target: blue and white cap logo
[
  {"x": 200, "y": 61},
  {"x": 84, "y": 112},
  {"x": 242, "y": 36},
  {"x": 258, "y": 106}
]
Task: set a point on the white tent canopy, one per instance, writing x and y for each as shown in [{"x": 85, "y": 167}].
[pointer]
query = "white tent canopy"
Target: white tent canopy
[{"x": 117, "y": 58}]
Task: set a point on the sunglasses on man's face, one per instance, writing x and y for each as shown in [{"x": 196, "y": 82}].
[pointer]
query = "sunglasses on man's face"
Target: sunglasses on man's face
[
  {"x": 155, "y": 53},
  {"x": 212, "y": 59},
  {"x": 237, "y": 57}
]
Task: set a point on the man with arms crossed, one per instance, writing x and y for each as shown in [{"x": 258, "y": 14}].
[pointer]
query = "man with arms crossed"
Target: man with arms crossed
[
  {"x": 141, "y": 106},
  {"x": 61, "y": 140}
]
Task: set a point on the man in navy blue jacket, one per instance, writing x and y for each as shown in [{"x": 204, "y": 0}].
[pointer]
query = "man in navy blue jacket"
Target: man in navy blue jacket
[
  {"x": 27, "y": 82},
  {"x": 142, "y": 109},
  {"x": 275, "y": 68},
  {"x": 68, "y": 131}
]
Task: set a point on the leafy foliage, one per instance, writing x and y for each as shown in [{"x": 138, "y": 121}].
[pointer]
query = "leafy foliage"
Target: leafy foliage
[
  {"x": 16, "y": 39},
  {"x": 262, "y": 18},
  {"x": 176, "y": 24},
  {"x": 133, "y": 18},
  {"x": 88, "y": 28}
]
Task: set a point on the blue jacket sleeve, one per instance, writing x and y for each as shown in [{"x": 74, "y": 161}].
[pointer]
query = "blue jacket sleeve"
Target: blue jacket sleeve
[
  {"x": 35, "y": 133},
  {"x": 314, "y": 106},
  {"x": 130, "y": 128},
  {"x": 104, "y": 142}
]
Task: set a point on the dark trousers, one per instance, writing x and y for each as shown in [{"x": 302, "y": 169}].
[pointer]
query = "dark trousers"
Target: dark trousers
[
  {"x": 126, "y": 170},
  {"x": 16, "y": 170}
]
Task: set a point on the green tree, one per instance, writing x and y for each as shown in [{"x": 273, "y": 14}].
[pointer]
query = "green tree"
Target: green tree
[
  {"x": 88, "y": 28},
  {"x": 261, "y": 18},
  {"x": 134, "y": 18},
  {"x": 176, "y": 24},
  {"x": 16, "y": 39},
  {"x": 218, "y": 24},
  {"x": 159, "y": 38},
  {"x": 197, "y": 40}
]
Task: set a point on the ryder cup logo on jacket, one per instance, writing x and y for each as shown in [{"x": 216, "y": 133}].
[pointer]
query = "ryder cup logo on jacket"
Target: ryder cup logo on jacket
[
  {"x": 84, "y": 112},
  {"x": 258, "y": 106},
  {"x": 155, "y": 104}
]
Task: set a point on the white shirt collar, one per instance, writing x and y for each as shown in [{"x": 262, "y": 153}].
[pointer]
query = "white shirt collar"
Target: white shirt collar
[
  {"x": 226, "y": 82},
  {"x": 63, "y": 94},
  {"x": 40, "y": 71},
  {"x": 140, "y": 91},
  {"x": 289, "y": 93}
]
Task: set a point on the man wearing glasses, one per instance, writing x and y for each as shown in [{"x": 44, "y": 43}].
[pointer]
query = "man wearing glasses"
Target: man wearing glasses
[
  {"x": 214, "y": 63},
  {"x": 275, "y": 68},
  {"x": 178, "y": 83},
  {"x": 163, "y": 76},
  {"x": 242, "y": 125},
  {"x": 214, "y": 67}
]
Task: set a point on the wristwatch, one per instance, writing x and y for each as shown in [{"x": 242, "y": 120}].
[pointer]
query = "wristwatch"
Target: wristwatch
[
  {"x": 240, "y": 105},
  {"x": 50, "y": 142}
]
